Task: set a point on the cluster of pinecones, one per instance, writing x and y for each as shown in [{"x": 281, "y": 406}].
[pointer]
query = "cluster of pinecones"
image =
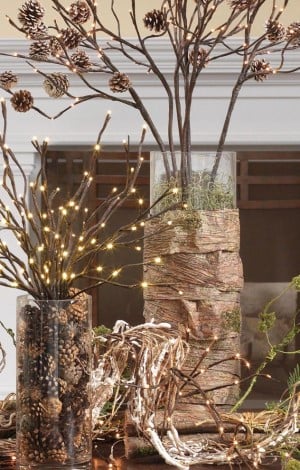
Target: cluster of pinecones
[
  {"x": 53, "y": 383},
  {"x": 56, "y": 85}
]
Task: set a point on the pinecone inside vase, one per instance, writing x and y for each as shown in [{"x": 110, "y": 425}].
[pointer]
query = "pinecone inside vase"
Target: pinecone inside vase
[
  {"x": 8, "y": 80},
  {"x": 155, "y": 20},
  {"x": 119, "y": 82},
  {"x": 70, "y": 37},
  {"x": 81, "y": 60},
  {"x": 39, "y": 50},
  {"x": 79, "y": 12},
  {"x": 55, "y": 426},
  {"x": 31, "y": 12},
  {"x": 275, "y": 31},
  {"x": 22, "y": 101},
  {"x": 56, "y": 85}
]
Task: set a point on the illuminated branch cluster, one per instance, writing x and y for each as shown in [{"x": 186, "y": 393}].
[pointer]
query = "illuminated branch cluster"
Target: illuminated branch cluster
[
  {"x": 195, "y": 42},
  {"x": 61, "y": 242},
  {"x": 142, "y": 365}
]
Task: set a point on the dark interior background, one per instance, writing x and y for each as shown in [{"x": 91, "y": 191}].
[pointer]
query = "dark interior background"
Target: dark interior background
[{"x": 268, "y": 195}]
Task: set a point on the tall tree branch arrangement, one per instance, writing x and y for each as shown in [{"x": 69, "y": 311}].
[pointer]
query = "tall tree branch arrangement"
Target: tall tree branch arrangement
[{"x": 195, "y": 42}]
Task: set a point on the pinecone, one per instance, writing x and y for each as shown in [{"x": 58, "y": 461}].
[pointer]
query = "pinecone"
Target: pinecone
[
  {"x": 52, "y": 407},
  {"x": 62, "y": 386},
  {"x": 155, "y": 19},
  {"x": 67, "y": 353},
  {"x": 261, "y": 69},
  {"x": 79, "y": 12},
  {"x": 202, "y": 59},
  {"x": 81, "y": 60},
  {"x": 8, "y": 80},
  {"x": 51, "y": 439},
  {"x": 31, "y": 12},
  {"x": 56, "y": 85},
  {"x": 70, "y": 37},
  {"x": 119, "y": 82},
  {"x": 242, "y": 4},
  {"x": 22, "y": 101},
  {"x": 275, "y": 30},
  {"x": 57, "y": 455},
  {"x": 39, "y": 50},
  {"x": 78, "y": 309},
  {"x": 36, "y": 31},
  {"x": 293, "y": 33},
  {"x": 55, "y": 47},
  {"x": 34, "y": 350},
  {"x": 71, "y": 373}
]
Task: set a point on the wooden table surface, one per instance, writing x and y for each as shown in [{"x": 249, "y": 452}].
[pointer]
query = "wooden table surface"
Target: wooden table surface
[{"x": 101, "y": 462}]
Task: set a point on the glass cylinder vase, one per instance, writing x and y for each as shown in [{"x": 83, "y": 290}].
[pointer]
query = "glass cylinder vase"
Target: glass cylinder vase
[
  {"x": 53, "y": 382},
  {"x": 201, "y": 180}
]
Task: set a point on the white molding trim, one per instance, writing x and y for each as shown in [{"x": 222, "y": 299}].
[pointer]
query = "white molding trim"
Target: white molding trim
[
  {"x": 26, "y": 160},
  {"x": 221, "y": 69}
]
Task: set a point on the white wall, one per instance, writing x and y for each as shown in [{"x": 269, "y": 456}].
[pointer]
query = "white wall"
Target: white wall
[
  {"x": 267, "y": 114},
  {"x": 292, "y": 13}
]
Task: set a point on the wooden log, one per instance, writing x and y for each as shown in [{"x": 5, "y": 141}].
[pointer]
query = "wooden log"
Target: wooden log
[
  {"x": 196, "y": 288},
  {"x": 206, "y": 231},
  {"x": 221, "y": 270}
]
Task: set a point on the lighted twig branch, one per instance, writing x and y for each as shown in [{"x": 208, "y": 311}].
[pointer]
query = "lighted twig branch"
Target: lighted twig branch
[
  {"x": 194, "y": 45},
  {"x": 143, "y": 366},
  {"x": 60, "y": 241}
]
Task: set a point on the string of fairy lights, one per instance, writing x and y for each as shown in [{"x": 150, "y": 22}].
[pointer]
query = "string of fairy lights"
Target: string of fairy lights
[
  {"x": 46, "y": 231},
  {"x": 55, "y": 250}
]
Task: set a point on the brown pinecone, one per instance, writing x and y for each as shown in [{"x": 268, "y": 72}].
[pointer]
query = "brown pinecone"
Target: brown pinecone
[
  {"x": 81, "y": 60},
  {"x": 31, "y": 12},
  {"x": 57, "y": 455},
  {"x": 8, "y": 79},
  {"x": 36, "y": 31},
  {"x": 293, "y": 33},
  {"x": 52, "y": 407},
  {"x": 275, "y": 30},
  {"x": 70, "y": 37},
  {"x": 56, "y": 85},
  {"x": 39, "y": 50},
  {"x": 67, "y": 352},
  {"x": 155, "y": 19},
  {"x": 72, "y": 374},
  {"x": 242, "y": 4},
  {"x": 55, "y": 47},
  {"x": 22, "y": 101},
  {"x": 79, "y": 12},
  {"x": 261, "y": 69},
  {"x": 78, "y": 309},
  {"x": 119, "y": 82},
  {"x": 202, "y": 58}
]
